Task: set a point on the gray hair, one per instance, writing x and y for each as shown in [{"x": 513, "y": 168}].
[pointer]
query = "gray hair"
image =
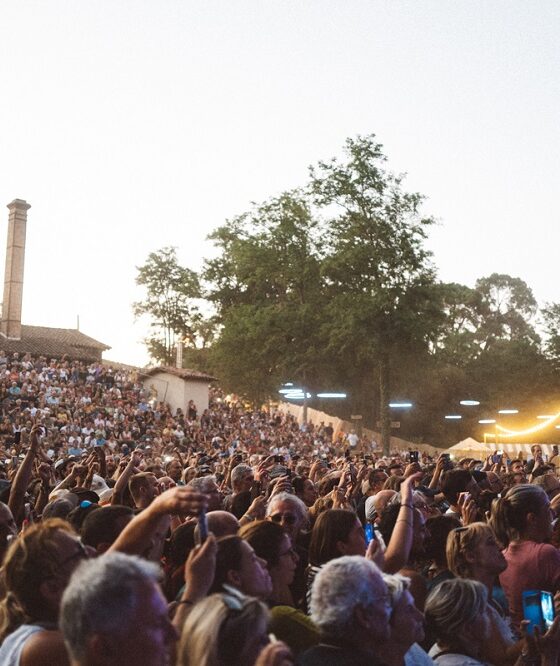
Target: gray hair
[
  {"x": 101, "y": 595},
  {"x": 340, "y": 586},
  {"x": 299, "y": 506},
  {"x": 202, "y": 484},
  {"x": 453, "y": 604},
  {"x": 397, "y": 585},
  {"x": 239, "y": 471}
]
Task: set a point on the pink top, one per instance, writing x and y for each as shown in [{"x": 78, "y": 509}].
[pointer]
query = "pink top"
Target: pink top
[{"x": 531, "y": 566}]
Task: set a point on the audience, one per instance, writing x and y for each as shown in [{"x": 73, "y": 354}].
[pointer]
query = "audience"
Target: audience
[{"x": 124, "y": 525}]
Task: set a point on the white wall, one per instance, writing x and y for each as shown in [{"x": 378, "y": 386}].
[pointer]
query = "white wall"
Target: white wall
[{"x": 177, "y": 392}]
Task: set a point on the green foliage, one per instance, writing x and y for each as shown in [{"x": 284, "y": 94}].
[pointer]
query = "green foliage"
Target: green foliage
[
  {"x": 380, "y": 281},
  {"x": 331, "y": 286},
  {"x": 171, "y": 303},
  {"x": 267, "y": 288}
]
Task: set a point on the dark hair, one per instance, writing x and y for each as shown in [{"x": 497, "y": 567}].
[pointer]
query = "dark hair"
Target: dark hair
[
  {"x": 240, "y": 503},
  {"x": 388, "y": 520},
  {"x": 298, "y": 483},
  {"x": 102, "y": 526},
  {"x": 180, "y": 544},
  {"x": 228, "y": 556},
  {"x": 266, "y": 539},
  {"x": 438, "y": 529},
  {"x": 331, "y": 526},
  {"x": 453, "y": 482},
  {"x": 77, "y": 516}
]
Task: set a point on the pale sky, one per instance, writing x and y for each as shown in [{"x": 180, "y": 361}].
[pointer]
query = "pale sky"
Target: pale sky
[{"x": 130, "y": 125}]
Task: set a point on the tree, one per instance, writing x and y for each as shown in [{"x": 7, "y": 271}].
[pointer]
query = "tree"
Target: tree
[
  {"x": 506, "y": 310},
  {"x": 171, "y": 303},
  {"x": 266, "y": 286},
  {"x": 381, "y": 284}
]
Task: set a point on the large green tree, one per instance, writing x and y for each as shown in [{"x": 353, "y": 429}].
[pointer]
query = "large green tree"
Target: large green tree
[
  {"x": 381, "y": 283},
  {"x": 266, "y": 286},
  {"x": 171, "y": 304}
]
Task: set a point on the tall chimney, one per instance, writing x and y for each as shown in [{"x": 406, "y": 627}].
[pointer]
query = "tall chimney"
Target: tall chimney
[{"x": 10, "y": 326}]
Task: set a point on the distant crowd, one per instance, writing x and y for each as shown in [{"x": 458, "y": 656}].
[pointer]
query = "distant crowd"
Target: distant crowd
[{"x": 130, "y": 534}]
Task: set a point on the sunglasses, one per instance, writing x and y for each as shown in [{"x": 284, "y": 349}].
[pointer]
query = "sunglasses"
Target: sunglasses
[{"x": 288, "y": 518}]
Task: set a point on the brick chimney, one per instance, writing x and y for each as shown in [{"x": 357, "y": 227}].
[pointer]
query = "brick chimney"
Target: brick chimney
[{"x": 10, "y": 326}]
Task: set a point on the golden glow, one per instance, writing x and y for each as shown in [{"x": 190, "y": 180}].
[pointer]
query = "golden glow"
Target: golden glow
[{"x": 506, "y": 432}]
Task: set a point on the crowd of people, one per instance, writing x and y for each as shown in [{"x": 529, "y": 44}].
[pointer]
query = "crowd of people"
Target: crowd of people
[{"x": 231, "y": 537}]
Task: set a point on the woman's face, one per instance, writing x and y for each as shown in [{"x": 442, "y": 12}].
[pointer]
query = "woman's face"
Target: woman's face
[
  {"x": 407, "y": 622},
  {"x": 355, "y": 544},
  {"x": 487, "y": 553},
  {"x": 283, "y": 572}
]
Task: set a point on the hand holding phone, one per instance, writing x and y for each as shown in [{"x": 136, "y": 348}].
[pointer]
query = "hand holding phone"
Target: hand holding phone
[
  {"x": 202, "y": 528},
  {"x": 538, "y": 610},
  {"x": 369, "y": 533}
]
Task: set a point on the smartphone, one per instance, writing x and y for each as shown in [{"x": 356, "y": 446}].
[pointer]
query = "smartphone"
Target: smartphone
[
  {"x": 278, "y": 459},
  {"x": 256, "y": 489},
  {"x": 538, "y": 609},
  {"x": 369, "y": 532},
  {"x": 464, "y": 498},
  {"x": 202, "y": 532},
  {"x": 17, "y": 437},
  {"x": 414, "y": 456}
]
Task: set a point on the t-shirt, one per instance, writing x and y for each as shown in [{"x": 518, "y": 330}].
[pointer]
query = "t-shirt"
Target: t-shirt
[
  {"x": 531, "y": 566},
  {"x": 443, "y": 658},
  {"x": 13, "y": 645}
]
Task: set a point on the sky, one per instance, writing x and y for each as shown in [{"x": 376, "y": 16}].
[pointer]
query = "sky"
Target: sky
[{"x": 130, "y": 125}]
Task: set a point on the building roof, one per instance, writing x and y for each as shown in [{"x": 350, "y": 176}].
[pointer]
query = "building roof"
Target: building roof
[
  {"x": 184, "y": 373},
  {"x": 56, "y": 342}
]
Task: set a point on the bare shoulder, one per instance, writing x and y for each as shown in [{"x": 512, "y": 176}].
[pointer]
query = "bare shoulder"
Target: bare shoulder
[{"x": 45, "y": 647}]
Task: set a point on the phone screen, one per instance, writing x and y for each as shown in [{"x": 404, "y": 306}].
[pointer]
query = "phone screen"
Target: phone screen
[
  {"x": 369, "y": 532},
  {"x": 538, "y": 609},
  {"x": 202, "y": 528}
]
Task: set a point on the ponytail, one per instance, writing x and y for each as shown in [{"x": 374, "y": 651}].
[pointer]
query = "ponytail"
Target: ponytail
[{"x": 509, "y": 513}]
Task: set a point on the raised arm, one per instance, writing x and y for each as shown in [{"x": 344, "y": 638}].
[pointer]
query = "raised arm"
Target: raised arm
[
  {"x": 138, "y": 535},
  {"x": 23, "y": 477},
  {"x": 400, "y": 543}
]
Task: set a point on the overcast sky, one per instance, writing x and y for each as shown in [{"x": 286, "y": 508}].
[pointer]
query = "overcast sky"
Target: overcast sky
[{"x": 130, "y": 125}]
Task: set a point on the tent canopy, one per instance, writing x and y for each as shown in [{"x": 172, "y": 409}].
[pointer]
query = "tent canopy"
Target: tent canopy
[{"x": 470, "y": 447}]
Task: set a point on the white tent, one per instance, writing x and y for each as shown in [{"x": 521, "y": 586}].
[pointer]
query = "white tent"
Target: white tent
[{"x": 470, "y": 448}]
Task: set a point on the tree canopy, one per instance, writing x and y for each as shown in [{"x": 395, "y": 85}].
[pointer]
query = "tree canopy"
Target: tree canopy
[{"x": 331, "y": 286}]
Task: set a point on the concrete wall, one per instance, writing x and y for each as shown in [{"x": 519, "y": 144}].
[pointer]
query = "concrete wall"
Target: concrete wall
[{"x": 177, "y": 392}]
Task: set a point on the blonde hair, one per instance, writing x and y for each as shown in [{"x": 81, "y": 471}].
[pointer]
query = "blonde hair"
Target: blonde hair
[
  {"x": 509, "y": 513},
  {"x": 206, "y": 640},
  {"x": 451, "y": 605},
  {"x": 461, "y": 541},
  {"x": 31, "y": 559}
]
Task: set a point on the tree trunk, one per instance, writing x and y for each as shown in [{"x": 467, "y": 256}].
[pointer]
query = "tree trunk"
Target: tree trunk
[{"x": 384, "y": 398}]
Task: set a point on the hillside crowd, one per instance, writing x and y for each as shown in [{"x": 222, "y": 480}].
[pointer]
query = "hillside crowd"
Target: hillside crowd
[{"x": 229, "y": 537}]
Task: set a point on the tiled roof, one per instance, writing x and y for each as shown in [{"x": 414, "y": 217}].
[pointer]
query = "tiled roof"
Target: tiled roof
[
  {"x": 184, "y": 373},
  {"x": 46, "y": 341}
]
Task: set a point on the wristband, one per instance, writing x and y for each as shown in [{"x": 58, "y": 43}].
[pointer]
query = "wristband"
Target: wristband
[
  {"x": 186, "y": 601},
  {"x": 409, "y": 506}
]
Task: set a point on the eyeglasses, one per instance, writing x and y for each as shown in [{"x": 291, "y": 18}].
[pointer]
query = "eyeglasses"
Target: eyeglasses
[{"x": 287, "y": 518}]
